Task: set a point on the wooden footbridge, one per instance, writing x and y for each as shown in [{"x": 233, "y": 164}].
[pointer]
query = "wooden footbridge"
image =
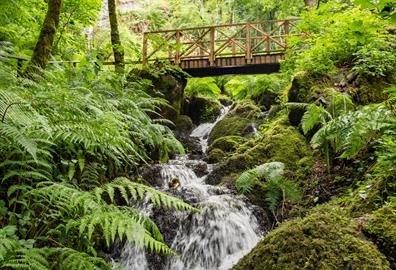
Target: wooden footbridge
[{"x": 245, "y": 48}]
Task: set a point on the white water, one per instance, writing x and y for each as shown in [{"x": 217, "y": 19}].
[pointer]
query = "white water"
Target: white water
[{"x": 214, "y": 239}]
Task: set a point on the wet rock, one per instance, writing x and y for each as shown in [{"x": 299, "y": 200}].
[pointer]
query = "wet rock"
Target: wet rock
[
  {"x": 193, "y": 147},
  {"x": 201, "y": 109},
  {"x": 183, "y": 126},
  {"x": 152, "y": 174},
  {"x": 200, "y": 168}
]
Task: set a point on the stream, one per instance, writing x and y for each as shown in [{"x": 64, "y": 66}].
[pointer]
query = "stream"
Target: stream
[{"x": 214, "y": 239}]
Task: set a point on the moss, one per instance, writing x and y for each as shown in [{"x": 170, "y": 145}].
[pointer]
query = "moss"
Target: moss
[
  {"x": 239, "y": 121},
  {"x": 230, "y": 126},
  {"x": 371, "y": 90},
  {"x": 228, "y": 143},
  {"x": 323, "y": 240},
  {"x": 277, "y": 142},
  {"x": 246, "y": 109},
  {"x": 216, "y": 155},
  {"x": 280, "y": 142},
  {"x": 167, "y": 82},
  {"x": 183, "y": 124},
  {"x": 201, "y": 109},
  {"x": 381, "y": 227},
  {"x": 303, "y": 89}
]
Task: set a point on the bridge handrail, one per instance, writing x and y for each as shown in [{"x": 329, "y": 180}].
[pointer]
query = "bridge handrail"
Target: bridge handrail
[{"x": 182, "y": 46}]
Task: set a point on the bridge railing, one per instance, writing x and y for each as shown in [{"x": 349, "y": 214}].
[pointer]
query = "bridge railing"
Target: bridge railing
[{"x": 212, "y": 42}]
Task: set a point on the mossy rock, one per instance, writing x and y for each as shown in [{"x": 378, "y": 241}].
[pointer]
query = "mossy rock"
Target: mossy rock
[
  {"x": 302, "y": 90},
  {"x": 381, "y": 227},
  {"x": 228, "y": 143},
  {"x": 277, "y": 142},
  {"x": 183, "y": 124},
  {"x": 239, "y": 121},
  {"x": 246, "y": 109},
  {"x": 323, "y": 240},
  {"x": 201, "y": 109},
  {"x": 371, "y": 90},
  {"x": 167, "y": 82},
  {"x": 230, "y": 126},
  {"x": 216, "y": 155}
]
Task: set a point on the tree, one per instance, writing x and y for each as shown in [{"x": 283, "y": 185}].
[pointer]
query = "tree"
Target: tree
[
  {"x": 118, "y": 50},
  {"x": 43, "y": 48},
  {"x": 310, "y": 3}
]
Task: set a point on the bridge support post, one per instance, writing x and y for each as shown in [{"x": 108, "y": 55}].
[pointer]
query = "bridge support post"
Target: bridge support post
[
  {"x": 248, "y": 55},
  {"x": 212, "y": 46},
  {"x": 178, "y": 47}
]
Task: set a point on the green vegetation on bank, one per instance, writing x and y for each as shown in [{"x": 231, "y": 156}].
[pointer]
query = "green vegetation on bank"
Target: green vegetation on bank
[{"x": 314, "y": 145}]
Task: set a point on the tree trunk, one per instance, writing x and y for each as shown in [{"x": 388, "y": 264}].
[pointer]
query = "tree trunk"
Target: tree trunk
[
  {"x": 310, "y": 3},
  {"x": 118, "y": 50},
  {"x": 42, "y": 51}
]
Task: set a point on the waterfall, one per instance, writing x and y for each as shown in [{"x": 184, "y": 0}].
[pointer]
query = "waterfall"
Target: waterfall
[{"x": 214, "y": 239}]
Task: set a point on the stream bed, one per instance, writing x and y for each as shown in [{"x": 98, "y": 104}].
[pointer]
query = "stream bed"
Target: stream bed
[{"x": 214, "y": 239}]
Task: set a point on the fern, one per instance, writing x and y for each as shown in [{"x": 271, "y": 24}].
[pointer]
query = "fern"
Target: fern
[
  {"x": 248, "y": 179},
  {"x": 277, "y": 188},
  {"x": 72, "y": 259},
  {"x": 313, "y": 116}
]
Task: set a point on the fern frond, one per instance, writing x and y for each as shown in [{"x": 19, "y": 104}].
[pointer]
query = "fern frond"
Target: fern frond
[
  {"x": 248, "y": 179},
  {"x": 139, "y": 192},
  {"x": 72, "y": 259}
]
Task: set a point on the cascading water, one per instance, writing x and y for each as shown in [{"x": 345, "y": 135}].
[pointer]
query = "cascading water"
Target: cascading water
[{"x": 214, "y": 239}]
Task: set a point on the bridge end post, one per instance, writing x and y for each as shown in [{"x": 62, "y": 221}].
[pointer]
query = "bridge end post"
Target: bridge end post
[
  {"x": 248, "y": 52},
  {"x": 212, "y": 46}
]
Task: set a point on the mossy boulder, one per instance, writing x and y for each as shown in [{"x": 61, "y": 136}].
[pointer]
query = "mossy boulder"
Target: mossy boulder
[
  {"x": 216, "y": 155},
  {"x": 239, "y": 121},
  {"x": 228, "y": 143},
  {"x": 323, "y": 240},
  {"x": 277, "y": 142},
  {"x": 201, "y": 109},
  {"x": 231, "y": 126},
  {"x": 370, "y": 90},
  {"x": 381, "y": 228},
  {"x": 167, "y": 82},
  {"x": 300, "y": 91},
  {"x": 183, "y": 124}
]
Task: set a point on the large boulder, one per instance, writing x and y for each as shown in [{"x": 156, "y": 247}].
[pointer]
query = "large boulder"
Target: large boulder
[
  {"x": 381, "y": 228},
  {"x": 201, "y": 109},
  {"x": 167, "y": 82},
  {"x": 278, "y": 142},
  {"x": 239, "y": 121},
  {"x": 301, "y": 91},
  {"x": 323, "y": 240}
]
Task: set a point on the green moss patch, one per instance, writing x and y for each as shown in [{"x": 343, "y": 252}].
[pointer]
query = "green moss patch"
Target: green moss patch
[
  {"x": 381, "y": 227},
  {"x": 322, "y": 240}
]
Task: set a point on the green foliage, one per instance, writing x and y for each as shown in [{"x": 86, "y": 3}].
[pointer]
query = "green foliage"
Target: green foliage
[
  {"x": 375, "y": 60},
  {"x": 340, "y": 34},
  {"x": 277, "y": 188},
  {"x": 63, "y": 138},
  {"x": 206, "y": 87},
  {"x": 349, "y": 133},
  {"x": 250, "y": 178},
  {"x": 250, "y": 86}
]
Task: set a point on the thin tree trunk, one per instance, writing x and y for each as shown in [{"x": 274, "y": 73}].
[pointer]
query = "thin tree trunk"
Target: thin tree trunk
[
  {"x": 118, "y": 50},
  {"x": 42, "y": 51},
  {"x": 310, "y": 3}
]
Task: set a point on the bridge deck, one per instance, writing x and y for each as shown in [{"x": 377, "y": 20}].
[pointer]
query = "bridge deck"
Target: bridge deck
[{"x": 223, "y": 49}]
